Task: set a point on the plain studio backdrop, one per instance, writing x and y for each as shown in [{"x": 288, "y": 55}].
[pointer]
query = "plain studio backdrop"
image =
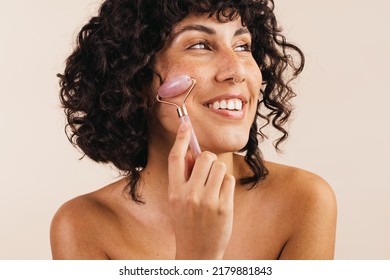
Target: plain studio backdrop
[{"x": 340, "y": 129}]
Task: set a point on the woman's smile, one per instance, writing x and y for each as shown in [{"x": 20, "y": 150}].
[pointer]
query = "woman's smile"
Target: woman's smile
[
  {"x": 228, "y": 105},
  {"x": 223, "y": 104}
]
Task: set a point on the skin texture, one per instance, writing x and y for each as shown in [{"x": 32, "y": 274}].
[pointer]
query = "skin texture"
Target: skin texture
[
  {"x": 213, "y": 66},
  {"x": 197, "y": 209}
]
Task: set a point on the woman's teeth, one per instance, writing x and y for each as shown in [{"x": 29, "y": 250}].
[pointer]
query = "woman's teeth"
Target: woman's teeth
[{"x": 231, "y": 104}]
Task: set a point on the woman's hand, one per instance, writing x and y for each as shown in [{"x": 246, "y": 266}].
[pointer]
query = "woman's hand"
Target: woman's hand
[{"x": 201, "y": 201}]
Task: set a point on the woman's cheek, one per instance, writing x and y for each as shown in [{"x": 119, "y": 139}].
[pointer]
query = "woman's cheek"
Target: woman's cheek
[{"x": 168, "y": 118}]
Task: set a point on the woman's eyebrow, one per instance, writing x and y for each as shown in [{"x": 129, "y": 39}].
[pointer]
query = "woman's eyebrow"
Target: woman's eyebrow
[
  {"x": 195, "y": 27},
  {"x": 207, "y": 30},
  {"x": 242, "y": 30}
]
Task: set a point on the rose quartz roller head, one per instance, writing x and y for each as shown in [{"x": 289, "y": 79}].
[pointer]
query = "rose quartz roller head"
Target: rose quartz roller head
[{"x": 172, "y": 88}]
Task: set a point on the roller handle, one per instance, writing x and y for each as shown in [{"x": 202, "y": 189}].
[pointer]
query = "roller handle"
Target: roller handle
[{"x": 194, "y": 144}]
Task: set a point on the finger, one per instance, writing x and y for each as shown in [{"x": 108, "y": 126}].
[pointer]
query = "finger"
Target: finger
[
  {"x": 201, "y": 170},
  {"x": 226, "y": 194},
  {"x": 215, "y": 180},
  {"x": 177, "y": 155},
  {"x": 190, "y": 162}
]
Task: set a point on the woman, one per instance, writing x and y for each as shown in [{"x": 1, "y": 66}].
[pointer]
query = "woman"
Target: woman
[{"x": 171, "y": 205}]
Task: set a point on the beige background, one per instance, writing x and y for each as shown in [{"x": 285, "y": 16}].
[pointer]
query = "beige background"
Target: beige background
[{"x": 340, "y": 128}]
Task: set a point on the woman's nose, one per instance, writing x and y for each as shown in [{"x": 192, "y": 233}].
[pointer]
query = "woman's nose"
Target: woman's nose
[{"x": 230, "y": 68}]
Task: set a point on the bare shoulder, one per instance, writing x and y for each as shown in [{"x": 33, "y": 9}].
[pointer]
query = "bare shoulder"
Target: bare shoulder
[
  {"x": 300, "y": 185},
  {"x": 310, "y": 205},
  {"x": 79, "y": 226}
]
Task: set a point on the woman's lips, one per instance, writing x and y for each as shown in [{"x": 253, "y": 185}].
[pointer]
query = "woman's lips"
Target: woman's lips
[
  {"x": 229, "y": 114},
  {"x": 226, "y": 97}
]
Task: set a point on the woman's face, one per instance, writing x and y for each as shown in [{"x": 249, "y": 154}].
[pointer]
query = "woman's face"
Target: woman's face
[{"x": 223, "y": 104}]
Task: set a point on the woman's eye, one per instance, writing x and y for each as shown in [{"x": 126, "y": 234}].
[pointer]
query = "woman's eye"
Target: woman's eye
[
  {"x": 243, "y": 48},
  {"x": 200, "y": 45}
]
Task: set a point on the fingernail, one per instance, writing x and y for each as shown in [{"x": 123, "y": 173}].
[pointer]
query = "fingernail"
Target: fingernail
[{"x": 184, "y": 127}]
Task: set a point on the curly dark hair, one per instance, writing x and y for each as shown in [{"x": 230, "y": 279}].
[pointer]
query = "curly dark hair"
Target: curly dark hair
[{"x": 103, "y": 85}]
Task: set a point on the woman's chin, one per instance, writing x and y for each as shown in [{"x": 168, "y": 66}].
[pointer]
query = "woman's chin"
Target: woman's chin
[{"x": 225, "y": 146}]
